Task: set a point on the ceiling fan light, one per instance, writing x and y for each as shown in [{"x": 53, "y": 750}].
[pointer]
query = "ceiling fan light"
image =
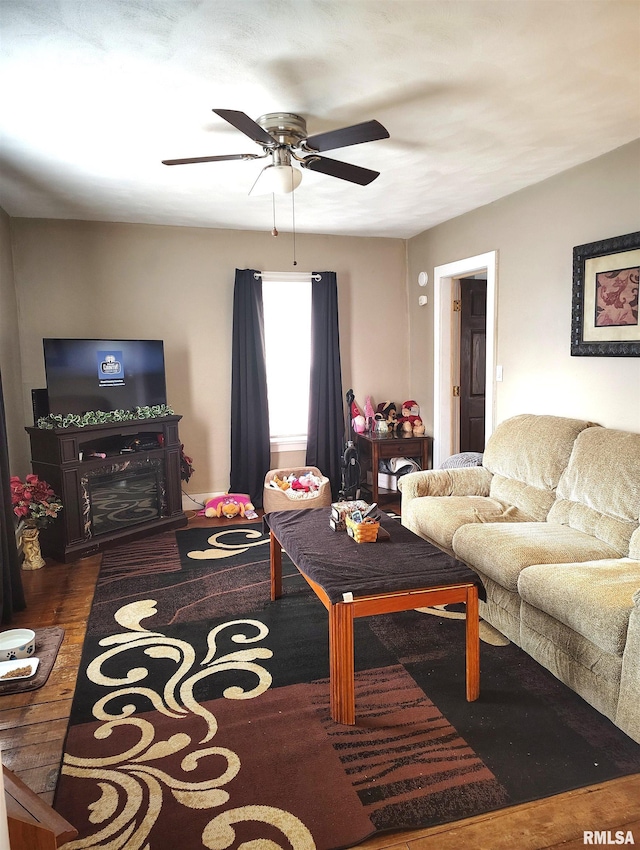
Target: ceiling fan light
[{"x": 277, "y": 179}]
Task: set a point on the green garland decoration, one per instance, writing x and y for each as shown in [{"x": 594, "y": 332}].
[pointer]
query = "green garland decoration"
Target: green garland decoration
[{"x": 100, "y": 417}]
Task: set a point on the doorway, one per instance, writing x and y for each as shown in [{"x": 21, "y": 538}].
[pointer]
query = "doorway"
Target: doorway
[
  {"x": 473, "y": 351},
  {"x": 446, "y": 426}
]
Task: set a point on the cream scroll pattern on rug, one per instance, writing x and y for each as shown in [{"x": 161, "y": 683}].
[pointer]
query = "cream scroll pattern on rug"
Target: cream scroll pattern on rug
[
  {"x": 132, "y": 789},
  {"x": 224, "y": 550}
]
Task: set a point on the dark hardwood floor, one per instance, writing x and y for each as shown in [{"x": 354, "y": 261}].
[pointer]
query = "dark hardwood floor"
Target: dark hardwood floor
[{"x": 33, "y": 726}]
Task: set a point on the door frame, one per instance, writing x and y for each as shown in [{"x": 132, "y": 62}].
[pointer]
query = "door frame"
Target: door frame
[{"x": 446, "y": 341}]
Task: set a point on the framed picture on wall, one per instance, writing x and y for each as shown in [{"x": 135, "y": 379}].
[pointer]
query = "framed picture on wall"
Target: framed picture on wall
[{"x": 604, "y": 314}]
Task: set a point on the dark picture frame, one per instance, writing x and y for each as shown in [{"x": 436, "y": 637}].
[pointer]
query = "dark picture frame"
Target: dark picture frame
[{"x": 604, "y": 312}]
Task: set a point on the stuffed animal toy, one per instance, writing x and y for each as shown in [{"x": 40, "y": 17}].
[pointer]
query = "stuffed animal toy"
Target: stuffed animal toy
[
  {"x": 230, "y": 505},
  {"x": 412, "y": 425},
  {"x": 410, "y": 408},
  {"x": 281, "y": 483},
  {"x": 369, "y": 413},
  {"x": 357, "y": 419},
  {"x": 417, "y": 426},
  {"x": 307, "y": 482},
  {"x": 410, "y": 421}
]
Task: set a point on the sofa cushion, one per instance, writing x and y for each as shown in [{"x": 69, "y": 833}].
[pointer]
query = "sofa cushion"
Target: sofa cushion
[
  {"x": 628, "y": 709},
  {"x": 578, "y": 662},
  {"x": 527, "y": 454},
  {"x": 634, "y": 545},
  {"x": 502, "y": 550},
  {"x": 599, "y": 492},
  {"x": 501, "y": 609},
  {"x": 570, "y": 656},
  {"x": 439, "y": 517},
  {"x": 594, "y": 599},
  {"x": 536, "y": 502}
]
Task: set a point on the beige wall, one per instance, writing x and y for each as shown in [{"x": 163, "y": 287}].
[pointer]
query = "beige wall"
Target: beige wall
[
  {"x": 534, "y": 232},
  {"x": 121, "y": 280},
  {"x": 10, "y": 356}
]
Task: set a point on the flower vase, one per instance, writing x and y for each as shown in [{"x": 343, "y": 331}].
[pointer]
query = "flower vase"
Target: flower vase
[{"x": 33, "y": 559}]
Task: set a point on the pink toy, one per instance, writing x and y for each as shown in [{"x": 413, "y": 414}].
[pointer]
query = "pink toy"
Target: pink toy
[
  {"x": 229, "y": 505},
  {"x": 369, "y": 413},
  {"x": 306, "y": 482},
  {"x": 357, "y": 419}
]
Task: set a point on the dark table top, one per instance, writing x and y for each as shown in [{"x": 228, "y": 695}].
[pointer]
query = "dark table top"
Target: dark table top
[
  {"x": 398, "y": 436},
  {"x": 340, "y": 565}
]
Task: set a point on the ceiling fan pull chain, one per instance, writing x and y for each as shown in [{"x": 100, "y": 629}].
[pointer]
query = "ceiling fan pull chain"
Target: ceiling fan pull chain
[
  {"x": 293, "y": 216},
  {"x": 274, "y": 232}
]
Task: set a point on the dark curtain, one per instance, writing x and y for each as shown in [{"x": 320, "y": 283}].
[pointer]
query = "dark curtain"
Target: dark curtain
[
  {"x": 326, "y": 417},
  {"x": 12, "y": 594},
  {"x": 250, "y": 447}
]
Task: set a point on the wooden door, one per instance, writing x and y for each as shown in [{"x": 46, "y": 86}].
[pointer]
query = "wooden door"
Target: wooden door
[{"x": 473, "y": 321}]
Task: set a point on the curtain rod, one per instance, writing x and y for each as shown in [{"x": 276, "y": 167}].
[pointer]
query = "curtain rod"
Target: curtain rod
[{"x": 291, "y": 276}]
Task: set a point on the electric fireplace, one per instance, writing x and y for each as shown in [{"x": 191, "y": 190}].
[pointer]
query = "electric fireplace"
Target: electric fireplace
[
  {"x": 117, "y": 481},
  {"x": 124, "y": 493}
]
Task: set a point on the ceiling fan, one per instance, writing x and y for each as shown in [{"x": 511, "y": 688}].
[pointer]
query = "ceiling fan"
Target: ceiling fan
[{"x": 283, "y": 137}]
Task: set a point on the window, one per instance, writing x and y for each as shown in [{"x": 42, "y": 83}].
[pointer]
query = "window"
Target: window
[{"x": 286, "y": 300}]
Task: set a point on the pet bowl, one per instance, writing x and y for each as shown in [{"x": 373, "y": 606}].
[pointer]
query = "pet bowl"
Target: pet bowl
[{"x": 17, "y": 643}]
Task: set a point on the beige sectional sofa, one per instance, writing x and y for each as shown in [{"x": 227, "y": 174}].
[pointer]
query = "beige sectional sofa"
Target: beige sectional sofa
[{"x": 551, "y": 523}]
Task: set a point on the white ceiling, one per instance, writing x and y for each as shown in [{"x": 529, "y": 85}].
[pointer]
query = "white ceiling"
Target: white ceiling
[{"x": 481, "y": 98}]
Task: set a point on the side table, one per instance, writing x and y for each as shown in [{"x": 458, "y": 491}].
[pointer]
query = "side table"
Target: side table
[{"x": 378, "y": 446}]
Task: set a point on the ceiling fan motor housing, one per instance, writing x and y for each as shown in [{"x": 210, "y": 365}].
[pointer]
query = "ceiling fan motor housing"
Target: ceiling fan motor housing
[{"x": 285, "y": 127}]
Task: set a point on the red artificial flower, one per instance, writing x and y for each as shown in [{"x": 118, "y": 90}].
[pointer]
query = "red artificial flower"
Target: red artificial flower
[{"x": 34, "y": 500}]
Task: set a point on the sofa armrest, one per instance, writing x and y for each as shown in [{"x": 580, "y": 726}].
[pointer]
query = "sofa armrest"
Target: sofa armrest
[
  {"x": 461, "y": 481},
  {"x": 628, "y": 713}
]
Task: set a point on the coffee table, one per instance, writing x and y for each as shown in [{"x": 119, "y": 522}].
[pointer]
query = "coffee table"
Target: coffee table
[{"x": 360, "y": 579}]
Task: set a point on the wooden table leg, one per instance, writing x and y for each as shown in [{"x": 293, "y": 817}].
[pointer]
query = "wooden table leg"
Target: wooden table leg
[
  {"x": 473, "y": 645},
  {"x": 275, "y": 561},
  {"x": 341, "y": 664},
  {"x": 426, "y": 461},
  {"x": 375, "y": 466}
]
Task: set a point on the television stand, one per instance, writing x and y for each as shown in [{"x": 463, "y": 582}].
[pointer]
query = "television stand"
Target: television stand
[{"x": 118, "y": 482}]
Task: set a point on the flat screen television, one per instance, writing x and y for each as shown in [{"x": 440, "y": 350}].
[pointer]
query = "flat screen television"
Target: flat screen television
[{"x": 104, "y": 374}]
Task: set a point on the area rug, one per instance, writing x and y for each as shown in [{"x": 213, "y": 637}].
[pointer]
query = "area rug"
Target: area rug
[{"x": 201, "y": 715}]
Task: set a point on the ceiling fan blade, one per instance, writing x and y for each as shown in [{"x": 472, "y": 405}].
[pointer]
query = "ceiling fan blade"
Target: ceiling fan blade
[
  {"x": 246, "y": 125},
  {"x": 210, "y": 158},
  {"x": 343, "y": 170},
  {"x": 368, "y": 131}
]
